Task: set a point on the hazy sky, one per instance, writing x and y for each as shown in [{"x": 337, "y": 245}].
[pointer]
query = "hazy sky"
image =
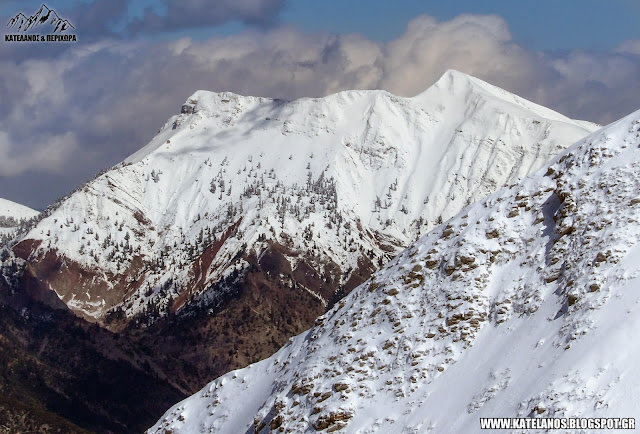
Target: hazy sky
[{"x": 68, "y": 110}]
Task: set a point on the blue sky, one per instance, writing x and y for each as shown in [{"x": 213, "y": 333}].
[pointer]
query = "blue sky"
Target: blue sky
[{"x": 69, "y": 110}]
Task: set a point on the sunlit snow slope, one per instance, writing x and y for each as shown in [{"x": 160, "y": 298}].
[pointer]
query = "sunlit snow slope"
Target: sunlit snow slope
[
  {"x": 525, "y": 304},
  {"x": 11, "y": 214},
  {"x": 336, "y": 186}
]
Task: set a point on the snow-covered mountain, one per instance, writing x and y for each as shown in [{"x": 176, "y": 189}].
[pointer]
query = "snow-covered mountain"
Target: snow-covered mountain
[
  {"x": 525, "y": 304},
  {"x": 11, "y": 214},
  {"x": 320, "y": 191}
]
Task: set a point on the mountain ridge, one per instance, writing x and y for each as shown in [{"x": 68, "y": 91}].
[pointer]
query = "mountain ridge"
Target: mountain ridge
[{"x": 346, "y": 163}]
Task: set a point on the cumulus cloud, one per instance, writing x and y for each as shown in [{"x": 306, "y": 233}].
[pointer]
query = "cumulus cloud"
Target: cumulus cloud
[
  {"x": 101, "y": 101},
  {"x": 475, "y": 44},
  {"x": 593, "y": 86}
]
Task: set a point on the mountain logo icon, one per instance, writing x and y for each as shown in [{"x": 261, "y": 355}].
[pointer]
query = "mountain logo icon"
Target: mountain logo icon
[{"x": 44, "y": 16}]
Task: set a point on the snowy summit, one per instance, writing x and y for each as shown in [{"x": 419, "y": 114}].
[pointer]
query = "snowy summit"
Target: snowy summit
[{"x": 328, "y": 189}]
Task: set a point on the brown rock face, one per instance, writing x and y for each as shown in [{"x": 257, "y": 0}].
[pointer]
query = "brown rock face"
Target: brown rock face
[{"x": 71, "y": 281}]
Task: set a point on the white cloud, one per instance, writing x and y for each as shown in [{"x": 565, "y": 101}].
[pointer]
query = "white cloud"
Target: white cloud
[{"x": 630, "y": 47}]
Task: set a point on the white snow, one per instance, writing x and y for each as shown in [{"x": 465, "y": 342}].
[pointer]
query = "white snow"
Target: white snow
[
  {"x": 355, "y": 174},
  {"x": 524, "y": 304},
  {"x": 15, "y": 212}
]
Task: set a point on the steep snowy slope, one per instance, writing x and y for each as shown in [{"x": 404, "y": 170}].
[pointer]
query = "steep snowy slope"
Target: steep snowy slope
[
  {"x": 525, "y": 304},
  {"x": 11, "y": 214},
  {"x": 322, "y": 191}
]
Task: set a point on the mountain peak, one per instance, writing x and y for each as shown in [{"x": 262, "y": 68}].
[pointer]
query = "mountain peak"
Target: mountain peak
[
  {"x": 457, "y": 85},
  {"x": 386, "y": 168},
  {"x": 454, "y": 74},
  {"x": 208, "y": 101},
  {"x": 453, "y": 79}
]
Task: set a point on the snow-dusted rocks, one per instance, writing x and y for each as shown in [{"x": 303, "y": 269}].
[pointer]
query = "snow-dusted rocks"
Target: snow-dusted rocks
[
  {"x": 525, "y": 304},
  {"x": 322, "y": 191}
]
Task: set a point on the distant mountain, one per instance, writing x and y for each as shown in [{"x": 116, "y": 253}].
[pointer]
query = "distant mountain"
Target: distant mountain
[
  {"x": 15, "y": 210},
  {"x": 524, "y": 304},
  {"x": 245, "y": 218},
  {"x": 11, "y": 215},
  {"x": 44, "y": 16}
]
